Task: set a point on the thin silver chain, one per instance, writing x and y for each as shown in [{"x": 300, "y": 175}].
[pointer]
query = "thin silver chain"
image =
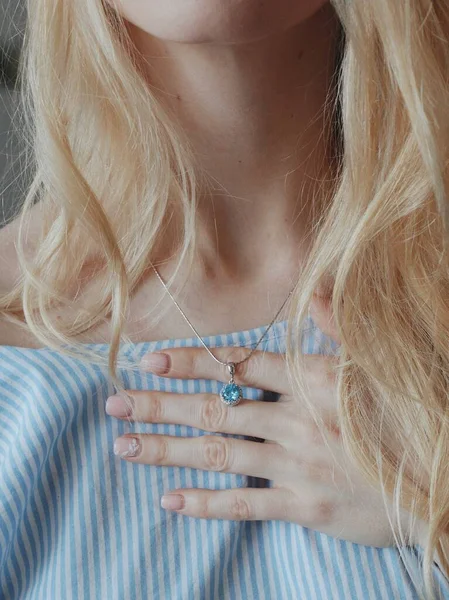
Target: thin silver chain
[{"x": 226, "y": 364}]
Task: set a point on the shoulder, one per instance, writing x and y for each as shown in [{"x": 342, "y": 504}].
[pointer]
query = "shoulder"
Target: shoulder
[
  {"x": 9, "y": 263},
  {"x": 10, "y": 272}
]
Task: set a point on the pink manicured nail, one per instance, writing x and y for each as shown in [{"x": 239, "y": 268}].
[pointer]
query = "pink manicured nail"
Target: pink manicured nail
[
  {"x": 172, "y": 502},
  {"x": 156, "y": 362},
  {"x": 126, "y": 446},
  {"x": 116, "y": 406}
]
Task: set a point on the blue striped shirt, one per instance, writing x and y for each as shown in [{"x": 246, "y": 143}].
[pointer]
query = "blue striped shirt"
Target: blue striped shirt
[{"x": 78, "y": 523}]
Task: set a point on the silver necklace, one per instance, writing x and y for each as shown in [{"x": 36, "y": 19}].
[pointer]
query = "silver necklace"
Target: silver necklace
[{"x": 231, "y": 393}]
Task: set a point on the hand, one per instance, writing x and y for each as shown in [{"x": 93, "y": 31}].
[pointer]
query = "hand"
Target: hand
[{"x": 313, "y": 484}]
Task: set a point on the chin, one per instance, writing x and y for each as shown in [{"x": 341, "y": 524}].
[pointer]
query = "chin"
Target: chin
[{"x": 215, "y": 21}]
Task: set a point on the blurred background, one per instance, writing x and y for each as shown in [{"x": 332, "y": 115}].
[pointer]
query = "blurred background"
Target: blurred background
[{"x": 12, "y": 20}]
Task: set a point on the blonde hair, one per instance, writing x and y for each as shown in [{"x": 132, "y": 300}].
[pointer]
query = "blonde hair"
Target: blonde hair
[{"x": 112, "y": 172}]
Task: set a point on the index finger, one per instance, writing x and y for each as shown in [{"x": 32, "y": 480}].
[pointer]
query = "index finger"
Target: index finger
[{"x": 264, "y": 370}]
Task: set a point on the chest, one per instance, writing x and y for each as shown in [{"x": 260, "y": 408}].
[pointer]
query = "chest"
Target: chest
[{"x": 212, "y": 308}]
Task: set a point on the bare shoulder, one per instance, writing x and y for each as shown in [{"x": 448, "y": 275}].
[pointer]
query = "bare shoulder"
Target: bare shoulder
[
  {"x": 9, "y": 264},
  {"x": 139, "y": 328},
  {"x": 11, "y": 334}
]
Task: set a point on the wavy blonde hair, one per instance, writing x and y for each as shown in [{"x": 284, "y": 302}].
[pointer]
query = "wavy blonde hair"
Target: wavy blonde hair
[{"x": 112, "y": 171}]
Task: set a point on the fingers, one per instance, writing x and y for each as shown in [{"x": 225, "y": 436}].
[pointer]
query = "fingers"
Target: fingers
[
  {"x": 206, "y": 452},
  {"x": 243, "y": 504},
  {"x": 313, "y": 509},
  {"x": 264, "y": 370},
  {"x": 204, "y": 411}
]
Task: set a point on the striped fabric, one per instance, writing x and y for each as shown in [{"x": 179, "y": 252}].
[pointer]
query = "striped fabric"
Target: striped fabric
[{"x": 78, "y": 523}]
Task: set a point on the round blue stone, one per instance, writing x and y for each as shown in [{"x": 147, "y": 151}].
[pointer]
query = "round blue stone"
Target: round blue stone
[{"x": 231, "y": 394}]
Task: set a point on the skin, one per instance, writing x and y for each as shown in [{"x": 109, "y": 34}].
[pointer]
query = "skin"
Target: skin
[
  {"x": 250, "y": 98},
  {"x": 215, "y": 21},
  {"x": 246, "y": 80},
  {"x": 314, "y": 484}
]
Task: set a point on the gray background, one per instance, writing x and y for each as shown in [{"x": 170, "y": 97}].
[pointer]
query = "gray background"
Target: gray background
[{"x": 12, "y": 184}]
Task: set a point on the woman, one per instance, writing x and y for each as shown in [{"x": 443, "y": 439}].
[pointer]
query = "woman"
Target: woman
[{"x": 218, "y": 186}]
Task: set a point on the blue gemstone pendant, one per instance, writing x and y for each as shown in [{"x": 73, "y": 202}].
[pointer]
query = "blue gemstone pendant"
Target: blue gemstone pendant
[{"x": 231, "y": 393}]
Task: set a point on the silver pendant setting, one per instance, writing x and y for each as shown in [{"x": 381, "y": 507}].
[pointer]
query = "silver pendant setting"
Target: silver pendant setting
[{"x": 231, "y": 393}]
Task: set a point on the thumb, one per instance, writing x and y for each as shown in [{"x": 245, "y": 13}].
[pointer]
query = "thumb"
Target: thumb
[{"x": 321, "y": 313}]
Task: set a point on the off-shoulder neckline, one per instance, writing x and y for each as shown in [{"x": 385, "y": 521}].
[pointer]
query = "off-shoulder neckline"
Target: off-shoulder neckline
[{"x": 276, "y": 327}]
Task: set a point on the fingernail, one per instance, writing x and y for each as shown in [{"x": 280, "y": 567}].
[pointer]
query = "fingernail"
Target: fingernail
[
  {"x": 156, "y": 362},
  {"x": 173, "y": 502},
  {"x": 126, "y": 446},
  {"x": 116, "y": 406}
]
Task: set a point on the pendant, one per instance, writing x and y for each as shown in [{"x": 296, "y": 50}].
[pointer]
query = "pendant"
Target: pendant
[{"x": 231, "y": 393}]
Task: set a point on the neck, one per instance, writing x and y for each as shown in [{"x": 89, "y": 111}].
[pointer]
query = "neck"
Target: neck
[{"x": 254, "y": 117}]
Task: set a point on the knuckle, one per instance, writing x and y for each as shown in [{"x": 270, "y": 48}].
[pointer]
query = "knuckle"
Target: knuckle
[
  {"x": 192, "y": 363},
  {"x": 216, "y": 453},
  {"x": 161, "y": 450},
  {"x": 323, "y": 512},
  {"x": 319, "y": 513},
  {"x": 240, "y": 510},
  {"x": 154, "y": 409},
  {"x": 213, "y": 414},
  {"x": 203, "y": 506}
]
